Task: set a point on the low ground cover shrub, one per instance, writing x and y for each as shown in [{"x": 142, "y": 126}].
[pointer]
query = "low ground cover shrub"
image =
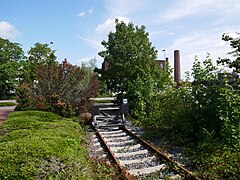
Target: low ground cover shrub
[
  {"x": 7, "y": 104},
  {"x": 38, "y": 145},
  {"x": 217, "y": 161}
]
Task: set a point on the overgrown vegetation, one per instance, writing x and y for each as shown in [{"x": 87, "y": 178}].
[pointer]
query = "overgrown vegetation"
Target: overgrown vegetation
[{"x": 202, "y": 115}]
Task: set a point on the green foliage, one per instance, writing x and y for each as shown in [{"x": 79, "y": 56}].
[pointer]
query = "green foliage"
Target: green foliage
[
  {"x": 205, "y": 116},
  {"x": 171, "y": 112},
  {"x": 40, "y": 54},
  {"x": 206, "y": 73},
  {"x": 59, "y": 88},
  {"x": 132, "y": 66},
  {"x": 229, "y": 114},
  {"x": 235, "y": 44},
  {"x": 7, "y": 104},
  {"x": 103, "y": 170},
  {"x": 40, "y": 145},
  {"x": 206, "y": 109},
  {"x": 24, "y": 99},
  {"x": 204, "y": 92},
  {"x": 10, "y": 56},
  {"x": 209, "y": 108},
  {"x": 219, "y": 163},
  {"x": 129, "y": 54}
]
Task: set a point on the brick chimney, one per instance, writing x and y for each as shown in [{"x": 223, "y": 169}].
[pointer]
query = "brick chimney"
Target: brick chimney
[{"x": 177, "y": 69}]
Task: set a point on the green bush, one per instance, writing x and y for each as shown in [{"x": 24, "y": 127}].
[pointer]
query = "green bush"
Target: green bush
[
  {"x": 218, "y": 163},
  {"x": 24, "y": 99},
  {"x": 41, "y": 145},
  {"x": 229, "y": 116},
  {"x": 203, "y": 116},
  {"x": 7, "y": 104}
]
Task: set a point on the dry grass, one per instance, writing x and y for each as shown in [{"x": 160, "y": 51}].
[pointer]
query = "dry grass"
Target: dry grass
[{"x": 85, "y": 117}]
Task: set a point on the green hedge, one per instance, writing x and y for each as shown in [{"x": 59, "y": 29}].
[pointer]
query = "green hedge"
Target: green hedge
[
  {"x": 42, "y": 145},
  {"x": 7, "y": 104}
]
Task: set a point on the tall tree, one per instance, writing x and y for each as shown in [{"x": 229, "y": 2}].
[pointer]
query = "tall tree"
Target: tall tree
[
  {"x": 39, "y": 54},
  {"x": 132, "y": 65},
  {"x": 10, "y": 56},
  {"x": 235, "y": 44}
]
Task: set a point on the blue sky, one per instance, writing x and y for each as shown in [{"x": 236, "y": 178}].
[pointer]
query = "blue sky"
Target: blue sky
[{"x": 77, "y": 27}]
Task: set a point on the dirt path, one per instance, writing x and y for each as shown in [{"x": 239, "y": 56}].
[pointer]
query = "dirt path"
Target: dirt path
[{"x": 4, "y": 111}]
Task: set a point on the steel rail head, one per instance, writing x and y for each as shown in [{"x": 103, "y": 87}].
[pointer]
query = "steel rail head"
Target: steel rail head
[
  {"x": 161, "y": 154},
  {"x": 126, "y": 174}
]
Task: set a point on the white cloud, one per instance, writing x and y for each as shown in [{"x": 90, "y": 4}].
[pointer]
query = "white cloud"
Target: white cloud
[
  {"x": 155, "y": 34},
  {"x": 101, "y": 32},
  {"x": 81, "y": 14},
  {"x": 198, "y": 27},
  {"x": 198, "y": 43},
  {"x": 109, "y": 25},
  {"x": 7, "y": 30},
  {"x": 186, "y": 8},
  {"x": 92, "y": 42},
  {"x": 194, "y": 27},
  {"x": 90, "y": 11}
]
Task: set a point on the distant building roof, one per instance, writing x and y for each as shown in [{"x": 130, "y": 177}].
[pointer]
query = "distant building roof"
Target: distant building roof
[{"x": 161, "y": 64}]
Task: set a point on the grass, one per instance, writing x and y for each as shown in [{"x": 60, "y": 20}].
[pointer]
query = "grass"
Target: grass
[
  {"x": 7, "y": 104},
  {"x": 41, "y": 145}
]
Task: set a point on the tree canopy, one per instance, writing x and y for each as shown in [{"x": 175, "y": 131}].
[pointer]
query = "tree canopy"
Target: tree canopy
[
  {"x": 235, "y": 44},
  {"x": 10, "y": 56},
  {"x": 39, "y": 54},
  {"x": 132, "y": 63}
]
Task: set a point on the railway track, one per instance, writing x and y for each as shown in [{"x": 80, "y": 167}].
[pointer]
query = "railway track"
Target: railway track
[{"x": 136, "y": 158}]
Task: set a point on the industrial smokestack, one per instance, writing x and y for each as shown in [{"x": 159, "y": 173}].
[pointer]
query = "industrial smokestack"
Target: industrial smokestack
[{"x": 177, "y": 70}]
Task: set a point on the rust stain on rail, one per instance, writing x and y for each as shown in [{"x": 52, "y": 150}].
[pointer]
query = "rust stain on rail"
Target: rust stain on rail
[
  {"x": 127, "y": 175},
  {"x": 153, "y": 149}
]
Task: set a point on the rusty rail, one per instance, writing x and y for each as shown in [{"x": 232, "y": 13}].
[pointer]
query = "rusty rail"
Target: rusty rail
[
  {"x": 154, "y": 150},
  {"x": 127, "y": 175}
]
